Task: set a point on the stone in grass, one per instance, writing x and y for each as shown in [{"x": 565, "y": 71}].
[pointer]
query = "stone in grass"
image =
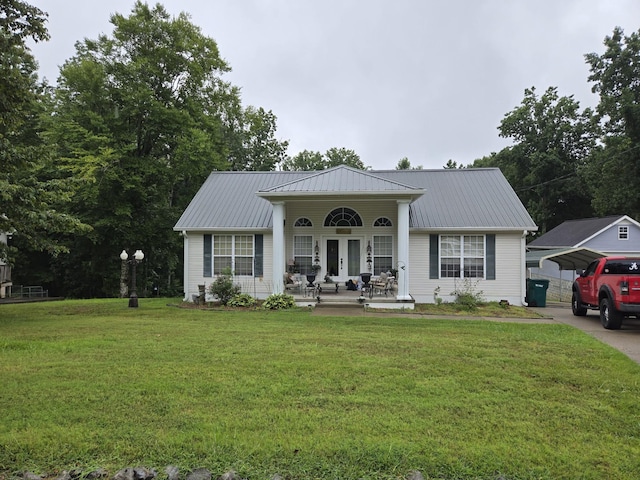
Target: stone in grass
[
  {"x": 124, "y": 474},
  {"x": 64, "y": 476},
  {"x": 141, "y": 473},
  {"x": 31, "y": 476},
  {"x": 230, "y": 475},
  {"x": 415, "y": 475},
  {"x": 173, "y": 472},
  {"x": 99, "y": 473},
  {"x": 199, "y": 474}
]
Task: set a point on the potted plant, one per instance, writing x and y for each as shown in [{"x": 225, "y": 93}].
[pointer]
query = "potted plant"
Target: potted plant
[{"x": 311, "y": 277}]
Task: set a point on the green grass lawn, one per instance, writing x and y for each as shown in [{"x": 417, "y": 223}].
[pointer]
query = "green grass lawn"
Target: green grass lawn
[{"x": 87, "y": 384}]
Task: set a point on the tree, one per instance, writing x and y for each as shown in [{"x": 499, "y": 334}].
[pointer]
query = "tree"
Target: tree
[
  {"x": 552, "y": 141},
  {"x": 405, "y": 164},
  {"x": 616, "y": 165},
  {"x": 310, "y": 161},
  {"x": 452, "y": 165},
  {"x": 140, "y": 120},
  {"x": 30, "y": 200}
]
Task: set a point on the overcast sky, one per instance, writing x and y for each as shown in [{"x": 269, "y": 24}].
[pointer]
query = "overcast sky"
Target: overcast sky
[{"x": 422, "y": 79}]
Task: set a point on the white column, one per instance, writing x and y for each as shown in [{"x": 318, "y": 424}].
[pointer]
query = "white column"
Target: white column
[
  {"x": 185, "y": 242},
  {"x": 403, "y": 250},
  {"x": 278, "y": 247}
]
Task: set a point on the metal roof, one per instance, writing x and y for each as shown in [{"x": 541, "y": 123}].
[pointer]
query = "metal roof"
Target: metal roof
[
  {"x": 342, "y": 180},
  {"x": 572, "y": 233},
  {"x": 567, "y": 258},
  {"x": 450, "y": 198}
]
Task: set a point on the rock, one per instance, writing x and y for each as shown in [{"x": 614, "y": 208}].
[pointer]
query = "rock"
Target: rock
[
  {"x": 230, "y": 475},
  {"x": 64, "y": 476},
  {"x": 415, "y": 475},
  {"x": 31, "y": 476},
  {"x": 199, "y": 474},
  {"x": 173, "y": 472},
  {"x": 124, "y": 474},
  {"x": 99, "y": 473},
  {"x": 141, "y": 473}
]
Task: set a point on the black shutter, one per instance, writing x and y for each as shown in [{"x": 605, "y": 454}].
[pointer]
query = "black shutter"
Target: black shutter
[
  {"x": 491, "y": 257},
  {"x": 434, "y": 266},
  {"x": 258, "y": 256},
  {"x": 206, "y": 256}
]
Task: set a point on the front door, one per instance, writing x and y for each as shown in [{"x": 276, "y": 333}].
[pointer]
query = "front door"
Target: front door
[{"x": 343, "y": 258}]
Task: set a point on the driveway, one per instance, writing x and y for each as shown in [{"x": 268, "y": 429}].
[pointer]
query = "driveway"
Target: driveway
[{"x": 627, "y": 339}]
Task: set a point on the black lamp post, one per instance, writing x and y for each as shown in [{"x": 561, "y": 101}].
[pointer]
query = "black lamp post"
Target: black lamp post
[{"x": 137, "y": 258}]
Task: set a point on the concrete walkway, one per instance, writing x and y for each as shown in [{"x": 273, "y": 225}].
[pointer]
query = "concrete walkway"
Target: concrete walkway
[{"x": 627, "y": 339}]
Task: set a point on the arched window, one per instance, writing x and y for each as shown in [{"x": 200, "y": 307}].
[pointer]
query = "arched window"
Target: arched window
[
  {"x": 343, "y": 217},
  {"x": 303, "y": 222},
  {"x": 382, "y": 222}
]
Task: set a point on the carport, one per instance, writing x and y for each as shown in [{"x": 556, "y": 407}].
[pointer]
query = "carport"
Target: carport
[{"x": 577, "y": 258}]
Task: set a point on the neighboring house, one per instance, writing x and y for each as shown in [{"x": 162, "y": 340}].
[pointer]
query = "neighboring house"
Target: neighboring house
[
  {"x": 437, "y": 227},
  {"x": 589, "y": 237},
  {"x": 5, "y": 272}
]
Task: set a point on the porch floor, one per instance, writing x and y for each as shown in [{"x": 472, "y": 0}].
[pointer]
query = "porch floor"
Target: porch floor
[{"x": 345, "y": 297}]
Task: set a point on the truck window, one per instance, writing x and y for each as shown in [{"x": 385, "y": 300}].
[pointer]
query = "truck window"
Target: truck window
[
  {"x": 622, "y": 267},
  {"x": 591, "y": 268}
]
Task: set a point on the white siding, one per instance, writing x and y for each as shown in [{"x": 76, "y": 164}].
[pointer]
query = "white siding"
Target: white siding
[
  {"x": 509, "y": 272},
  {"x": 259, "y": 287}
]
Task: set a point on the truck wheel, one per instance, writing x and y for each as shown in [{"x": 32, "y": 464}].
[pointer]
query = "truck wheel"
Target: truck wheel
[
  {"x": 609, "y": 316},
  {"x": 577, "y": 308}
]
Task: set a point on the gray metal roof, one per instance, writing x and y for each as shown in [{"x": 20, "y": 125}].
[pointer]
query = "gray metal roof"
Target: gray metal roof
[
  {"x": 572, "y": 233},
  {"x": 342, "y": 180},
  {"x": 451, "y": 198}
]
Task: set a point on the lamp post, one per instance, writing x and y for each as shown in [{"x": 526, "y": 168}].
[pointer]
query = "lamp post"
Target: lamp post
[{"x": 137, "y": 258}]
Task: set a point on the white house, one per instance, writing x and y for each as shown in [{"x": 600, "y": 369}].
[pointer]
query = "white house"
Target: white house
[{"x": 436, "y": 227}]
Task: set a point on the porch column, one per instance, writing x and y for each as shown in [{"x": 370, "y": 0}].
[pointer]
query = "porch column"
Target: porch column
[
  {"x": 403, "y": 250},
  {"x": 278, "y": 247}
]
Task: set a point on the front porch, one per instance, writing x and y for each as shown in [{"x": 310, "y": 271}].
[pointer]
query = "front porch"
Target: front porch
[{"x": 347, "y": 298}]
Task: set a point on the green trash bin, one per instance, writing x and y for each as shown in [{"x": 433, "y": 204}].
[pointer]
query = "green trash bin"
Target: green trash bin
[{"x": 537, "y": 292}]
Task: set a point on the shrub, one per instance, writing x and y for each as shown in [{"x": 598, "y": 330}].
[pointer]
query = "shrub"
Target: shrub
[
  {"x": 223, "y": 287},
  {"x": 242, "y": 300},
  {"x": 467, "y": 295},
  {"x": 279, "y": 301}
]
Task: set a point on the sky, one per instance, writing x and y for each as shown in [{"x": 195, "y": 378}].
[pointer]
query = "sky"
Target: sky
[{"x": 429, "y": 80}]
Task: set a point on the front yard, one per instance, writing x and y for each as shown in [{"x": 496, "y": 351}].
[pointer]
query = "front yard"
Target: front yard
[{"x": 92, "y": 383}]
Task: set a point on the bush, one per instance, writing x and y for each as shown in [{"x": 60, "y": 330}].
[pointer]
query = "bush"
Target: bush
[
  {"x": 467, "y": 294},
  {"x": 223, "y": 287},
  {"x": 242, "y": 300},
  {"x": 279, "y": 301}
]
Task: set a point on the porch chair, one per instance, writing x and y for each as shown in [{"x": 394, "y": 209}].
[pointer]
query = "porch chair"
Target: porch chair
[
  {"x": 381, "y": 284},
  {"x": 292, "y": 283}
]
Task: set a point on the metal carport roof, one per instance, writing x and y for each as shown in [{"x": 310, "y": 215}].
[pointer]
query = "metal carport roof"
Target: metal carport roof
[{"x": 567, "y": 258}]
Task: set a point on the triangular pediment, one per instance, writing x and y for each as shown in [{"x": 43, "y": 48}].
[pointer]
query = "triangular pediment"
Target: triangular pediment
[{"x": 342, "y": 180}]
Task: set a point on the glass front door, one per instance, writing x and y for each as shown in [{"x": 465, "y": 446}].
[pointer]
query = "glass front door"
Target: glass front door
[{"x": 343, "y": 258}]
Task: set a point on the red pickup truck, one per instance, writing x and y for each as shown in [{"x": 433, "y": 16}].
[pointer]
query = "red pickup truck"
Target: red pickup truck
[{"x": 611, "y": 285}]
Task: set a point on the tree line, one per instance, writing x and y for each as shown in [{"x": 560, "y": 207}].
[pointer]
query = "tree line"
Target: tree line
[
  {"x": 110, "y": 156},
  {"x": 568, "y": 163}
]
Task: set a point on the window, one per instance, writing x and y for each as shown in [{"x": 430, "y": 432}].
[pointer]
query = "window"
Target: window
[
  {"x": 462, "y": 256},
  {"x": 623, "y": 232},
  {"x": 343, "y": 217},
  {"x": 232, "y": 251},
  {"x": 303, "y": 252},
  {"x": 382, "y": 253},
  {"x": 382, "y": 222},
  {"x": 303, "y": 222}
]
